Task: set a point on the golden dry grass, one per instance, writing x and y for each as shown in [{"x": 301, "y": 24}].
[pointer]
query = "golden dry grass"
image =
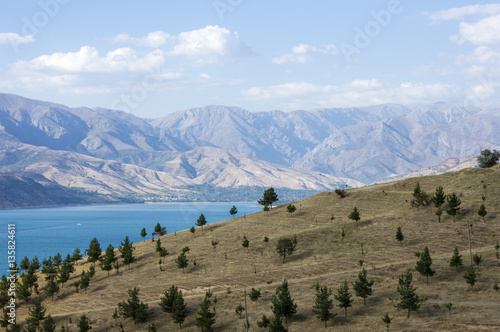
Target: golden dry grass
[{"x": 322, "y": 257}]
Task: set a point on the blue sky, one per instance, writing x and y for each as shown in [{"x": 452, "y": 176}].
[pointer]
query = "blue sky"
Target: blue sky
[{"x": 165, "y": 56}]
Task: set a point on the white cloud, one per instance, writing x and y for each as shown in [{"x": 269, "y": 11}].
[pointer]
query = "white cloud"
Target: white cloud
[
  {"x": 210, "y": 44},
  {"x": 303, "y": 53},
  {"x": 86, "y": 71},
  {"x": 365, "y": 84},
  {"x": 462, "y": 12},
  {"x": 482, "y": 56},
  {"x": 153, "y": 39},
  {"x": 483, "y": 63},
  {"x": 15, "y": 39},
  {"x": 354, "y": 93},
  {"x": 483, "y": 32},
  {"x": 88, "y": 59}
]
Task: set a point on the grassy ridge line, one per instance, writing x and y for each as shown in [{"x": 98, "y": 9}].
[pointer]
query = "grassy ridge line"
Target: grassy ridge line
[{"x": 321, "y": 256}]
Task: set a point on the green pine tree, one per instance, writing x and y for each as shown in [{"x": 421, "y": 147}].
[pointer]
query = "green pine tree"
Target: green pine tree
[
  {"x": 254, "y": 294},
  {"x": 91, "y": 272},
  {"x": 276, "y": 325},
  {"x": 108, "y": 259},
  {"x": 323, "y": 304},
  {"x": 31, "y": 278},
  {"x": 158, "y": 245},
  {"x": 409, "y": 299},
  {"x": 439, "y": 198},
  {"x": 482, "y": 212},
  {"x": 424, "y": 264},
  {"x": 456, "y": 259},
  {"x": 362, "y": 287},
  {"x": 36, "y": 315},
  {"x": 387, "y": 320},
  {"x": 133, "y": 308},
  {"x": 420, "y": 197},
  {"x": 453, "y": 205},
  {"x": 25, "y": 263},
  {"x": 23, "y": 291},
  {"x": 84, "y": 281},
  {"x": 399, "y": 235},
  {"x": 57, "y": 260},
  {"x": 168, "y": 299},
  {"x": 470, "y": 276},
  {"x": 84, "y": 324},
  {"x": 49, "y": 324},
  {"x": 143, "y": 233},
  {"x": 51, "y": 288},
  {"x": 282, "y": 302},
  {"x": 94, "y": 251},
  {"x": 179, "y": 311},
  {"x": 48, "y": 268},
  {"x": 127, "y": 251},
  {"x": 202, "y": 221},
  {"x": 264, "y": 322},
  {"x": 182, "y": 261},
  {"x": 239, "y": 310},
  {"x": 344, "y": 297},
  {"x": 354, "y": 215},
  {"x": 245, "y": 242},
  {"x": 205, "y": 318},
  {"x": 159, "y": 231},
  {"x": 233, "y": 211},
  {"x": 268, "y": 198},
  {"x": 478, "y": 259},
  {"x": 35, "y": 263},
  {"x": 76, "y": 255}
]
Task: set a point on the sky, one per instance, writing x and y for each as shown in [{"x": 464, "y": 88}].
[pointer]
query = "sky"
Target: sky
[{"x": 157, "y": 57}]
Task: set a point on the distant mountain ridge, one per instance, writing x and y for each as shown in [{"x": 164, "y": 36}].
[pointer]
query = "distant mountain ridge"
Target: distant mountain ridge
[{"x": 109, "y": 151}]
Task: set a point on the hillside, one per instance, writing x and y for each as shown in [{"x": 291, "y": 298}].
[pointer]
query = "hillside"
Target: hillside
[
  {"x": 321, "y": 256},
  {"x": 29, "y": 190}
]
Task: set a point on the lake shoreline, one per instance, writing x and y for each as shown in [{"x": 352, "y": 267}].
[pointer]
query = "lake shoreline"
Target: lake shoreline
[
  {"x": 110, "y": 203},
  {"x": 50, "y": 230}
]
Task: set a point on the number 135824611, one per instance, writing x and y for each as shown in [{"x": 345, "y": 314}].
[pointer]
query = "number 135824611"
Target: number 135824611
[{"x": 11, "y": 247}]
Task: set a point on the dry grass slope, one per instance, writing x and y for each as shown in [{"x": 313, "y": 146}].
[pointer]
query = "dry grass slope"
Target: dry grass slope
[{"x": 321, "y": 256}]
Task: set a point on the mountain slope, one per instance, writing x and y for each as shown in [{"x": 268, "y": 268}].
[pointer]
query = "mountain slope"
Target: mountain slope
[
  {"x": 200, "y": 166},
  {"x": 29, "y": 190},
  {"x": 374, "y": 151},
  {"x": 115, "y": 153},
  {"x": 321, "y": 256},
  {"x": 231, "y": 147}
]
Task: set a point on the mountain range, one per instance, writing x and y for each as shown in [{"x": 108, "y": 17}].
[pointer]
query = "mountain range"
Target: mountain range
[{"x": 111, "y": 152}]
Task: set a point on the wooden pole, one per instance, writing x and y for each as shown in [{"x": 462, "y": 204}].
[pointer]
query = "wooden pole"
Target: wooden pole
[
  {"x": 470, "y": 249},
  {"x": 246, "y": 313}
]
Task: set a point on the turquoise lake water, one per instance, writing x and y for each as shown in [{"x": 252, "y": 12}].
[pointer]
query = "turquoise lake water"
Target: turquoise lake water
[{"x": 48, "y": 231}]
